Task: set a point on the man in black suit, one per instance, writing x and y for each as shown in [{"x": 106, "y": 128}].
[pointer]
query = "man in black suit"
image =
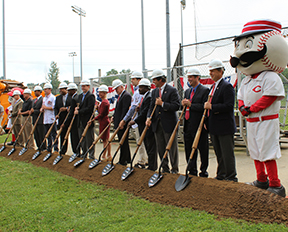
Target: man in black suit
[
  {"x": 122, "y": 107},
  {"x": 221, "y": 122},
  {"x": 39, "y": 132},
  {"x": 149, "y": 139},
  {"x": 62, "y": 103},
  {"x": 194, "y": 99},
  {"x": 164, "y": 119},
  {"x": 74, "y": 136},
  {"x": 84, "y": 111}
]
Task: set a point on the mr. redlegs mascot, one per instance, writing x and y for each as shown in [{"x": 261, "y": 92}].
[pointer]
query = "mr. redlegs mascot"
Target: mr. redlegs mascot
[{"x": 261, "y": 52}]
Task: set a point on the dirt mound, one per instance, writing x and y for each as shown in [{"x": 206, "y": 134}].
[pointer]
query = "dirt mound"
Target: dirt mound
[{"x": 222, "y": 198}]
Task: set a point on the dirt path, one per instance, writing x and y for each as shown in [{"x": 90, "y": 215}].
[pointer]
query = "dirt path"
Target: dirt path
[{"x": 222, "y": 198}]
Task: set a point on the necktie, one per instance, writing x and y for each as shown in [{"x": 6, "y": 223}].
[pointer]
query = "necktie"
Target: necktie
[
  {"x": 187, "y": 113},
  {"x": 36, "y": 100},
  {"x": 141, "y": 102},
  {"x": 160, "y": 95},
  {"x": 212, "y": 93}
]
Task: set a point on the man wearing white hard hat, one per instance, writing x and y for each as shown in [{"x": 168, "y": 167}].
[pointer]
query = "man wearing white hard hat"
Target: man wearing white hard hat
[
  {"x": 165, "y": 118},
  {"x": 136, "y": 99},
  {"x": 194, "y": 99},
  {"x": 15, "y": 111},
  {"x": 62, "y": 103},
  {"x": 74, "y": 134},
  {"x": 25, "y": 112},
  {"x": 39, "y": 132},
  {"x": 122, "y": 107},
  {"x": 49, "y": 116},
  {"x": 84, "y": 111},
  {"x": 149, "y": 139},
  {"x": 221, "y": 121}
]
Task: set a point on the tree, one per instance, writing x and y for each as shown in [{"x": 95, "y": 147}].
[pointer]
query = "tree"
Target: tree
[
  {"x": 111, "y": 76},
  {"x": 53, "y": 77},
  {"x": 67, "y": 82}
]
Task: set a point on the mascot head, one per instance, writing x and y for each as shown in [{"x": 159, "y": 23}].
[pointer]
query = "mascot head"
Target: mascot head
[{"x": 260, "y": 47}]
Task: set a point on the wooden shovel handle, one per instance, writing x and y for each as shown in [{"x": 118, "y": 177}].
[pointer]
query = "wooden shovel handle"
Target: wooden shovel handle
[
  {"x": 61, "y": 128},
  {"x": 33, "y": 129},
  {"x": 51, "y": 127},
  {"x": 87, "y": 126},
  {"x": 99, "y": 136},
  {"x": 22, "y": 128},
  {"x": 6, "y": 119},
  {"x": 13, "y": 125}
]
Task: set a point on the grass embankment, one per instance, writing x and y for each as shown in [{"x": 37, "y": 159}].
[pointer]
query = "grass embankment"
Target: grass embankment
[{"x": 38, "y": 199}]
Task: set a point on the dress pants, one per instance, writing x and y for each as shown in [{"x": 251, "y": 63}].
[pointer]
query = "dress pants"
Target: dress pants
[
  {"x": 39, "y": 134},
  {"x": 143, "y": 159},
  {"x": 224, "y": 150},
  {"x": 162, "y": 139},
  {"x": 63, "y": 149},
  {"x": 151, "y": 148},
  {"x": 87, "y": 141},
  {"x": 125, "y": 156},
  {"x": 203, "y": 148},
  {"x": 51, "y": 137},
  {"x": 27, "y": 131},
  {"x": 16, "y": 130},
  {"x": 74, "y": 138}
]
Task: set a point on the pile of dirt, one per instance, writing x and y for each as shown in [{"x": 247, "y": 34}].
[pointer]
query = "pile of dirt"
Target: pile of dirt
[{"x": 222, "y": 198}]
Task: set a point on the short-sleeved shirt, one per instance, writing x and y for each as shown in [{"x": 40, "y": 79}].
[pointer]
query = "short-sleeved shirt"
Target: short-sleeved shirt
[
  {"x": 27, "y": 105},
  {"x": 49, "y": 115}
]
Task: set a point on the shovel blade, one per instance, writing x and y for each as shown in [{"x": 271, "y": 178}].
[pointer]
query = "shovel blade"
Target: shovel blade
[
  {"x": 182, "y": 182},
  {"x": 2, "y": 148},
  {"x": 47, "y": 157},
  {"x": 94, "y": 163},
  {"x": 72, "y": 157},
  {"x": 11, "y": 151},
  {"x": 154, "y": 179},
  {"x": 79, "y": 162},
  {"x": 126, "y": 173},
  {"x": 57, "y": 159},
  {"x": 23, "y": 150},
  {"x": 108, "y": 168},
  {"x": 36, "y": 155}
]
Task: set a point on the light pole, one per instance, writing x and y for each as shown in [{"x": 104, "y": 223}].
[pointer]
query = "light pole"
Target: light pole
[
  {"x": 81, "y": 13},
  {"x": 4, "y": 56},
  {"x": 72, "y": 54},
  {"x": 143, "y": 43},
  {"x": 183, "y": 5},
  {"x": 168, "y": 41}
]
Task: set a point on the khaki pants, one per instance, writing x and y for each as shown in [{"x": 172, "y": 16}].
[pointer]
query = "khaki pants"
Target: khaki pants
[
  {"x": 27, "y": 130},
  {"x": 143, "y": 158},
  {"x": 16, "y": 130}
]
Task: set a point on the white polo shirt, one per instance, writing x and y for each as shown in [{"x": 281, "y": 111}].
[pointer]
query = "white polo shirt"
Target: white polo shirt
[{"x": 49, "y": 115}]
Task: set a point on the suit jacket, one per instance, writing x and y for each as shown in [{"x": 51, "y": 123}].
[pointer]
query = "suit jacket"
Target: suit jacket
[
  {"x": 86, "y": 108},
  {"x": 16, "y": 108},
  {"x": 196, "y": 109},
  {"x": 122, "y": 107},
  {"x": 167, "y": 113},
  {"x": 36, "y": 105},
  {"x": 74, "y": 101},
  {"x": 221, "y": 119},
  {"x": 143, "y": 110},
  {"x": 58, "y": 105}
]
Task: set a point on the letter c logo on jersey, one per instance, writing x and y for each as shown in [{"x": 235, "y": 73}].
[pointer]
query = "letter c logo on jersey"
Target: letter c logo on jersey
[{"x": 257, "y": 89}]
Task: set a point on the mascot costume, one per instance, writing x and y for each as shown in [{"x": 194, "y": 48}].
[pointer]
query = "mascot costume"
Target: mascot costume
[{"x": 261, "y": 52}]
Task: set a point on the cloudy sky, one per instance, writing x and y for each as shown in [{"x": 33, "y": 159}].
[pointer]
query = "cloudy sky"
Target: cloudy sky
[{"x": 38, "y": 32}]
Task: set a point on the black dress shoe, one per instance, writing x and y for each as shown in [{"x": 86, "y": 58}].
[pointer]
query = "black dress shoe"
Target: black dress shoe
[
  {"x": 218, "y": 178},
  {"x": 203, "y": 174},
  {"x": 10, "y": 143},
  {"x": 278, "y": 190},
  {"x": 174, "y": 172},
  {"x": 139, "y": 165},
  {"x": 259, "y": 184}
]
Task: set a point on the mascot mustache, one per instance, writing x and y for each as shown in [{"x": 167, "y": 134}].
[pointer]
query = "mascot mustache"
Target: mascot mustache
[{"x": 248, "y": 58}]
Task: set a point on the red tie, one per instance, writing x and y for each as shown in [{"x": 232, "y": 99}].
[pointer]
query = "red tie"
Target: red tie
[
  {"x": 141, "y": 102},
  {"x": 160, "y": 92},
  {"x": 187, "y": 113},
  {"x": 212, "y": 92}
]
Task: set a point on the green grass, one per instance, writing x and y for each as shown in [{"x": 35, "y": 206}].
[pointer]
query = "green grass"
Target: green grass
[{"x": 37, "y": 199}]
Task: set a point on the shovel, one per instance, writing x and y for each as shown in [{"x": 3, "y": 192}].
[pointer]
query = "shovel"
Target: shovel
[
  {"x": 73, "y": 157},
  {"x": 57, "y": 137},
  {"x": 9, "y": 132},
  {"x": 92, "y": 145},
  {"x": 59, "y": 157},
  {"x": 44, "y": 140},
  {"x": 20, "y": 132},
  {"x": 109, "y": 167},
  {"x": 25, "y": 148},
  {"x": 130, "y": 169},
  {"x": 158, "y": 176},
  {"x": 183, "y": 181}
]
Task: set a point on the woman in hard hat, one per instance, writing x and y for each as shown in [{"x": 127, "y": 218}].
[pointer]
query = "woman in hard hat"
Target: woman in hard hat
[{"x": 102, "y": 117}]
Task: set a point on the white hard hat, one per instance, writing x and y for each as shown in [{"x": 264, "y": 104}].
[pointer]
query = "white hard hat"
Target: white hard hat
[
  {"x": 16, "y": 92},
  {"x": 214, "y": 64},
  {"x": 103, "y": 88},
  {"x": 27, "y": 91},
  {"x": 47, "y": 86},
  {"x": 85, "y": 82},
  {"x": 37, "y": 87},
  {"x": 193, "y": 72},
  {"x": 137, "y": 74},
  {"x": 63, "y": 85},
  {"x": 72, "y": 86},
  {"x": 145, "y": 82},
  {"x": 157, "y": 73},
  {"x": 116, "y": 83}
]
